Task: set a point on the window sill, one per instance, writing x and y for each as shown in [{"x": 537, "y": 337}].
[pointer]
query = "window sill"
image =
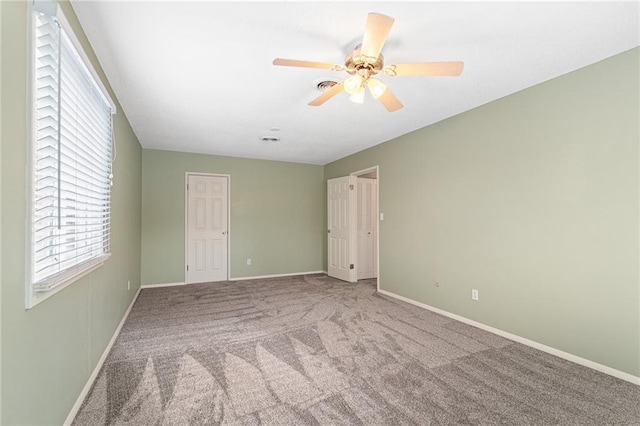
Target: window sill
[{"x": 53, "y": 285}]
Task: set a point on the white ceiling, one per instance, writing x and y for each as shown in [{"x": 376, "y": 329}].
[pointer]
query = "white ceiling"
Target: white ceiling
[{"x": 197, "y": 76}]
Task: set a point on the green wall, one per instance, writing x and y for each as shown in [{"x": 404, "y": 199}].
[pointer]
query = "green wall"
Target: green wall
[
  {"x": 49, "y": 352},
  {"x": 532, "y": 200},
  {"x": 276, "y": 214}
]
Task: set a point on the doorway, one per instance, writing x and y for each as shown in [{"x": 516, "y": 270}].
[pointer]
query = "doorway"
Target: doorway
[
  {"x": 352, "y": 222},
  {"x": 207, "y": 228}
]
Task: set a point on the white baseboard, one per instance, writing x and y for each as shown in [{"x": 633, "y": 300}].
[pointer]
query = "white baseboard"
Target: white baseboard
[
  {"x": 257, "y": 277},
  {"x": 96, "y": 370},
  {"x": 161, "y": 285},
  {"x": 544, "y": 348}
]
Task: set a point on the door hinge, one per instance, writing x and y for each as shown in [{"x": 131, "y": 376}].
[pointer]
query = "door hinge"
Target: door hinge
[
  {"x": 352, "y": 266},
  {"x": 187, "y": 267},
  {"x": 351, "y": 187},
  {"x": 187, "y": 187}
]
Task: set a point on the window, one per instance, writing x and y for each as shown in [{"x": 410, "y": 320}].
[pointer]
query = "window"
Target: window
[{"x": 71, "y": 158}]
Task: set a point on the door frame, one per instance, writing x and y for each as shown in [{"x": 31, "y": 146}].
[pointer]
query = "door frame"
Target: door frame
[
  {"x": 376, "y": 169},
  {"x": 186, "y": 219}
]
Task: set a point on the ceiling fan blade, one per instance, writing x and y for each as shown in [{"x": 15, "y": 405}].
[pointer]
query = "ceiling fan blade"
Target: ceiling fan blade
[
  {"x": 389, "y": 100},
  {"x": 302, "y": 64},
  {"x": 442, "y": 69},
  {"x": 328, "y": 94},
  {"x": 375, "y": 34}
]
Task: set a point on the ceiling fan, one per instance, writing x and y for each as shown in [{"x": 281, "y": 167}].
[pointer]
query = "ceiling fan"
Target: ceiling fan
[{"x": 366, "y": 61}]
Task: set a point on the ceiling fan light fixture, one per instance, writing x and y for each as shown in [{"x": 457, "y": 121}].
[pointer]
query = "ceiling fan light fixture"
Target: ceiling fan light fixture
[
  {"x": 353, "y": 84},
  {"x": 376, "y": 87},
  {"x": 358, "y": 96},
  {"x": 366, "y": 61}
]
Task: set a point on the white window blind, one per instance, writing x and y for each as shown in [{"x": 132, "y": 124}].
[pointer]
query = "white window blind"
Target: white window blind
[{"x": 72, "y": 156}]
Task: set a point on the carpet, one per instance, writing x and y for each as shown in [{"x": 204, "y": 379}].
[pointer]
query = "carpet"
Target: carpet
[{"x": 315, "y": 350}]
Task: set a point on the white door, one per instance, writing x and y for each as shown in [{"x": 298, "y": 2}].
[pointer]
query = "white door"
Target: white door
[
  {"x": 207, "y": 236},
  {"x": 366, "y": 228},
  {"x": 341, "y": 237}
]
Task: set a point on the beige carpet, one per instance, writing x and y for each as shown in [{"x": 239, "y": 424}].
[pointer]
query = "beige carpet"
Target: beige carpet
[{"x": 314, "y": 350}]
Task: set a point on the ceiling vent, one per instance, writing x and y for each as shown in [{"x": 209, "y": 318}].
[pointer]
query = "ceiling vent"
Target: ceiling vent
[
  {"x": 269, "y": 139},
  {"x": 325, "y": 85}
]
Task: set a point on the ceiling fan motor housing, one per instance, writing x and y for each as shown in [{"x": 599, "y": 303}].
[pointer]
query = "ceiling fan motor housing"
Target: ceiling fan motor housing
[{"x": 357, "y": 63}]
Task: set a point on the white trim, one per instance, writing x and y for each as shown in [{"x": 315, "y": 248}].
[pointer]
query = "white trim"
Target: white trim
[
  {"x": 35, "y": 297},
  {"x": 236, "y": 279},
  {"x": 70, "y": 274},
  {"x": 96, "y": 370},
  {"x": 186, "y": 224},
  {"x": 186, "y": 218},
  {"x": 378, "y": 227},
  {"x": 365, "y": 171},
  {"x": 256, "y": 277},
  {"x": 30, "y": 173},
  {"x": 162, "y": 285},
  {"x": 544, "y": 348}
]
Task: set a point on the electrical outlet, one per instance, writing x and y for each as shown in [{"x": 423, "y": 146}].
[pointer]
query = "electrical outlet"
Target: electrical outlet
[
  {"x": 129, "y": 285},
  {"x": 474, "y": 294},
  {"x": 248, "y": 262},
  {"x": 437, "y": 284}
]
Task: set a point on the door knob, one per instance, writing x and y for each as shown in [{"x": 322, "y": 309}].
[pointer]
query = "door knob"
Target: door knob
[{"x": 224, "y": 232}]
